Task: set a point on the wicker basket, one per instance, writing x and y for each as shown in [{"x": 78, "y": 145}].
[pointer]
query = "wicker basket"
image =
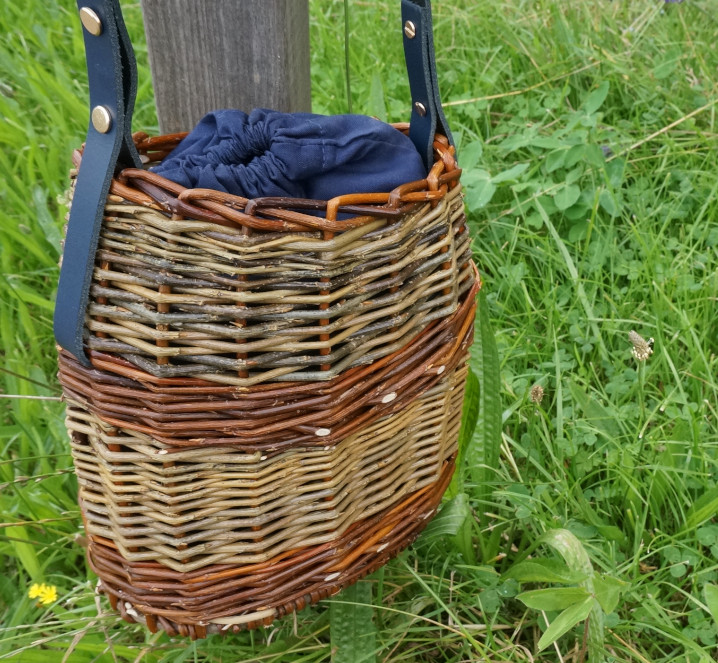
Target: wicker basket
[
  {"x": 242, "y": 299},
  {"x": 267, "y": 402}
]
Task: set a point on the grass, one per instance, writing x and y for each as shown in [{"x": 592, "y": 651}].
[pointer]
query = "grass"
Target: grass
[{"x": 587, "y": 133}]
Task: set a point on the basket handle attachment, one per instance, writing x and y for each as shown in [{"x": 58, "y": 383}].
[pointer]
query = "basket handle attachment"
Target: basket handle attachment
[
  {"x": 426, "y": 113},
  {"x": 112, "y": 76}
]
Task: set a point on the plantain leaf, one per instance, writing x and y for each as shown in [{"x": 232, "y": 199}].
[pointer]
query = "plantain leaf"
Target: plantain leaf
[
  {"x": 351, "y": 625},
  {"x": 449, "y": 520},
  {"x": 607, "y": 591},
  {"x": 544, "y": 570},
  {"x": 566, "y": 621},
  {"x": 553, "y": 598},
  {"x": 596, "y": 414},
  {"x": 482, "y": 454},
  {"x": 469, "y": 415}
]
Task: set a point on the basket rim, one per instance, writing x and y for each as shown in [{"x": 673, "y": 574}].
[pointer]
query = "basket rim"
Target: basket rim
[{"x": 275, "y": 214}]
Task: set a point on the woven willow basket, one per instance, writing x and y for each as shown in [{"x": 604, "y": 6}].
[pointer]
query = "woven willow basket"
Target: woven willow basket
[
  {"x": 244, "y": 298},
  {"x": 266, "y": 399}
]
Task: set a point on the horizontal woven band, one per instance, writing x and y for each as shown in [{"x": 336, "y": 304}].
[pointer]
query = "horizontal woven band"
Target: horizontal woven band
[
  {"x": 181, "y": 412},
  {"x": 223, "y": 598}
]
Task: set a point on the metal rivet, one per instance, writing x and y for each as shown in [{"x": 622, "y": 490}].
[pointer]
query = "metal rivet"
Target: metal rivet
[
  {"x": 420, "y": 108},
  {"x": 91, "y": 21},
  {"x": 409, "y": 30},
  {"x": 101, "y": 119}
]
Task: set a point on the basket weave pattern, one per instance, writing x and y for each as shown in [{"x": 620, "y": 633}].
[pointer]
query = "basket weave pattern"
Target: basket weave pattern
[
  {"x": 204, "y": 602},
  {"x": 182, "y": 412},
  {"x": 274, "y": 401},
  {"x": 291, "y": 298},
  {"x": 188, "y": 508}
]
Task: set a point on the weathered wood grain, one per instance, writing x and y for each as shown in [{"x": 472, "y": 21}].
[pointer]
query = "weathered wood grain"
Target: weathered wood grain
[{"x": 212, "y": 54}]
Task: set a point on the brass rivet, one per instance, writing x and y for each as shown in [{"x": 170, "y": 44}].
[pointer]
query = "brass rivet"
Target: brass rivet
[
  {"x": 420, "y": 108},
  {"x": 409, "y": 30},
  {"x": 101, "y": 119},
  {"x": 91, "y": 21}
]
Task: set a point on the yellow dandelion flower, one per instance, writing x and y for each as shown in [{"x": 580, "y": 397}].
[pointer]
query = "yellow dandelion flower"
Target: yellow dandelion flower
[
  {"x": 49, "y": 596},
  {"x": 45, "y": 594}
]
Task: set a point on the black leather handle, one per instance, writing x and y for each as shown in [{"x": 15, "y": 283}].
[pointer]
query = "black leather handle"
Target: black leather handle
[
  {"x": 427, "y": 115},
  {"x": 112, "y": 75}
]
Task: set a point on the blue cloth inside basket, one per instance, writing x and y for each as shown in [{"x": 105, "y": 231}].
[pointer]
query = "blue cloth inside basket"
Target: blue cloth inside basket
[{"x": 301, "y": 155}]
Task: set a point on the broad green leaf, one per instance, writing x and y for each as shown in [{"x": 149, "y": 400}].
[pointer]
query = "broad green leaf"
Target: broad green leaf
[
  {"x": 543, "y": 570},
  {"x": 574, "y": 554},
  {"x": 570, "y": 548},
  {"x": 546, "y": 142},
  {"x": 596, "y": 98},
  {"x": 607, "y": 591},
  {"x": 510, "y": 174},
  {"x": 482, "y": 455},
  {"x": 449, "y": 520},
  {"x": 555, "y": 160},
  {"x": 553, "y": 598},
  {"x": 574, "y": 155},
  {"x": 351, "y": 625},
  {"x": 594, "y": 156},
  {"x": 710, "y": 593},
  {"x": 479, "y": 189},
  {"x": 566, "y": 621},
  {"x": 567, "y": 196},
  {"x": 471, "y": 155},
  {"x": 607, "y": 201}
]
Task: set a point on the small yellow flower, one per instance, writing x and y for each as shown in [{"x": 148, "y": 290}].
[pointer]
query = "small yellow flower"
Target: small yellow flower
[{"x": 45, "y": 594}]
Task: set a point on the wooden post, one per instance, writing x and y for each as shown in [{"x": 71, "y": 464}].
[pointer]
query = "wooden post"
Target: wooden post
[{"x": 211, "y": 54}]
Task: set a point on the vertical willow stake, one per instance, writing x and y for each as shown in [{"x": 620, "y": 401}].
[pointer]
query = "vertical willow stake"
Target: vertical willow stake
[{"x": 347, "y": 71}]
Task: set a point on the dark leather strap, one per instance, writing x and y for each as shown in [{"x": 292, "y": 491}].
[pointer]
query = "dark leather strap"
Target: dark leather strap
[
  {"x": 112, "y": 77},
  {"x": 427, "y": 115}
]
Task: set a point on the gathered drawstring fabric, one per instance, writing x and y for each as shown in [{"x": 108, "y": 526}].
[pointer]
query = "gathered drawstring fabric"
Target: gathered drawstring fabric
[{"x": 299, "y": 155}]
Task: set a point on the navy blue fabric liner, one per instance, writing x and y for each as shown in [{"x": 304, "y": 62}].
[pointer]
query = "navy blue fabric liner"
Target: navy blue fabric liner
[{"x": 300, "y": 155}]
